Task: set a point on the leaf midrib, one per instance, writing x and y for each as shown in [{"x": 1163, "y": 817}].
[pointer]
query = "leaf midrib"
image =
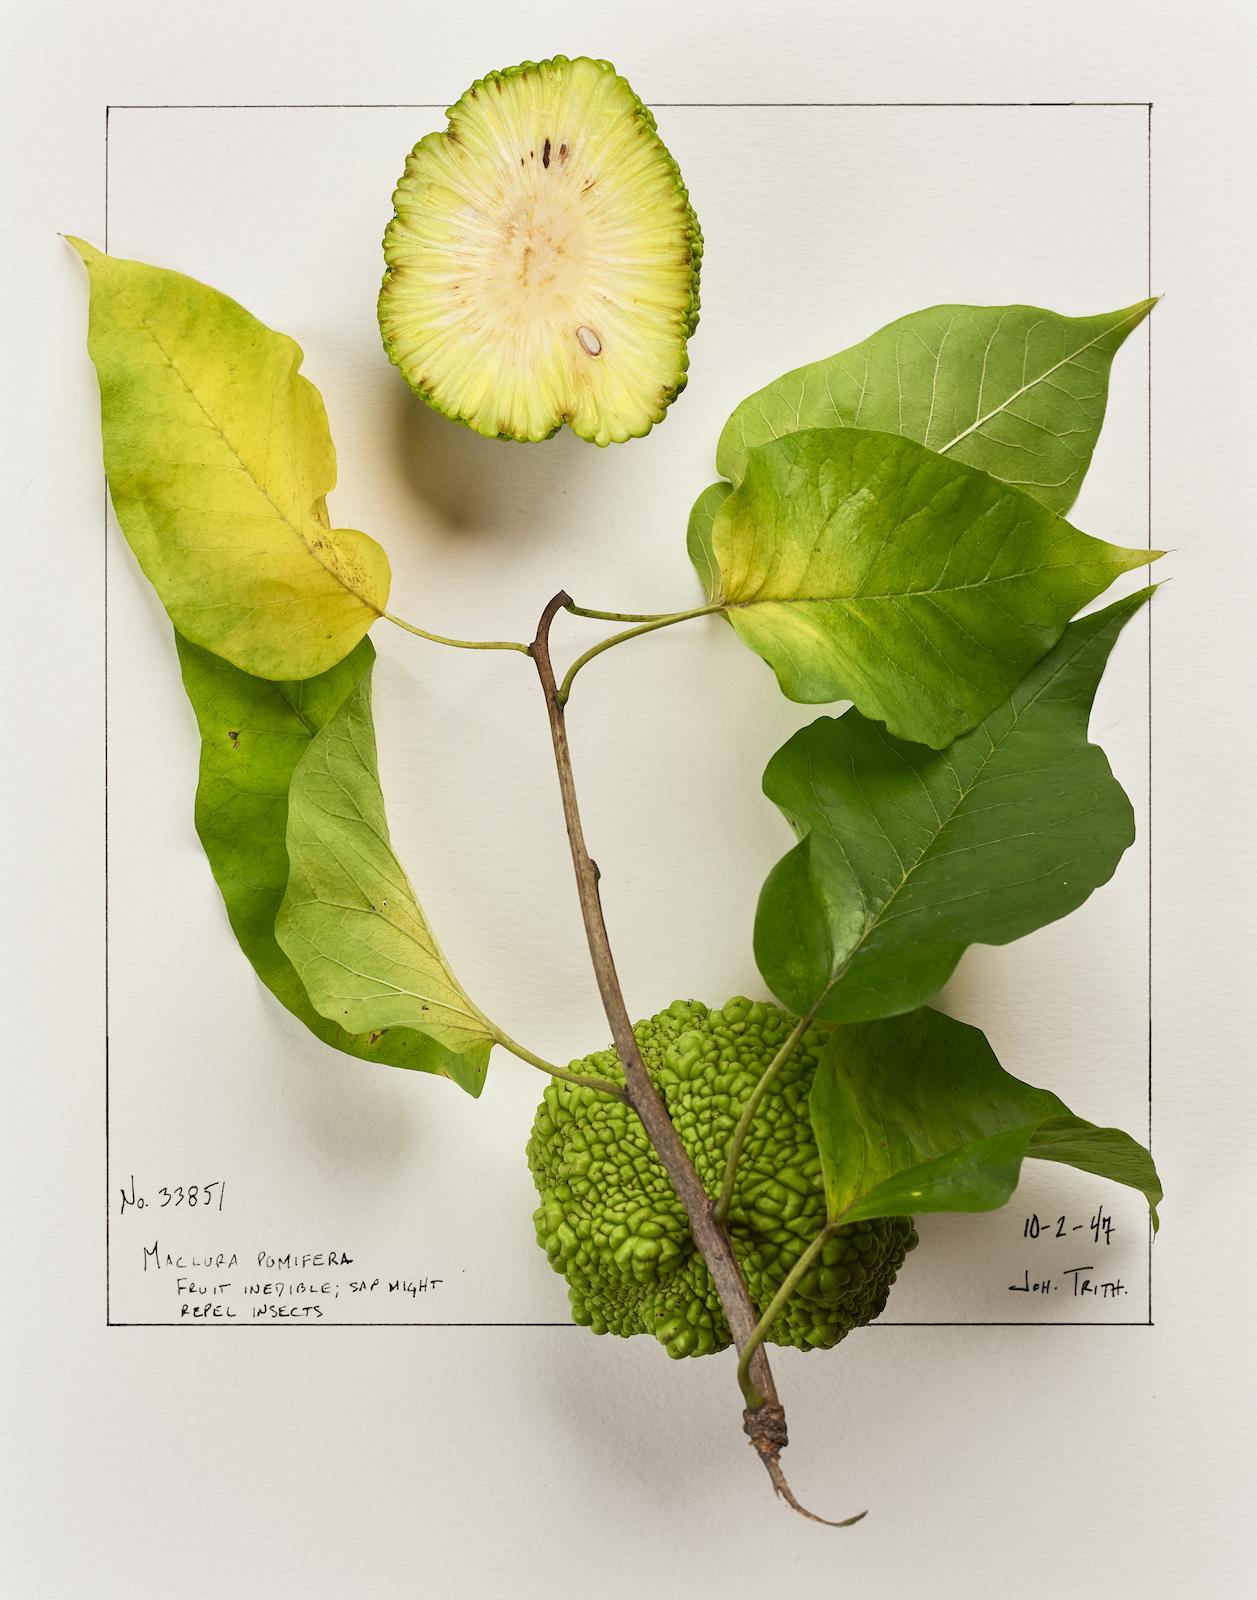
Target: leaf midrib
[
  {"x": 871, "y": 926},
  {"x": 244, "y": 467},
  {"x": 981, "y": 421},
  {"x": 445, "y": 972},
  {"x": 391, "y": 989},
  {"x": 910, "y": 594},
  {"x": 1026, "y": 387}
]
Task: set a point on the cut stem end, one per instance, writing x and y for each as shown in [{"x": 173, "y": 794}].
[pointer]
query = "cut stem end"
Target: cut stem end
[{"x": 765, "y": 1426}]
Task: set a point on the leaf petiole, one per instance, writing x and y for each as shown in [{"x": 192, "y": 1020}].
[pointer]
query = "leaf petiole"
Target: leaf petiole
[
  {"x": 458, "y": 644},
  {"x": 619, "y": 638},
  {"x": 752, "y": 1396},
  {"x": 615, "y": 616},
  {"x": 748, "y": 1112},
  {"x": 602, "y": 1086}
]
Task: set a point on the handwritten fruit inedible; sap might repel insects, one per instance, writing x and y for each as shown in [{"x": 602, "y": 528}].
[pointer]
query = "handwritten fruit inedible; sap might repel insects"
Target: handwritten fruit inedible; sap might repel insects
[{"x": 889, "y": 530}]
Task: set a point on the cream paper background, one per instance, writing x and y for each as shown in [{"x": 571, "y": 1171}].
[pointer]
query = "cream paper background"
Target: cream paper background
[{"x": 513, "y": 1453}]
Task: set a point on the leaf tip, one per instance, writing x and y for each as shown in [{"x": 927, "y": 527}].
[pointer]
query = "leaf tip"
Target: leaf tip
[{"x": 1139, "y": 311}]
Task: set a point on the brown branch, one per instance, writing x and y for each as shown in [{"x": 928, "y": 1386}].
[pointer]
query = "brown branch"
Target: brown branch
[{"x": 765, "y": 1423}]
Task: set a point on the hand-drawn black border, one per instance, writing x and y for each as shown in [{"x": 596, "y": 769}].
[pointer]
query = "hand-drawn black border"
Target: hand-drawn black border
[{"x": 749, "y": 105}]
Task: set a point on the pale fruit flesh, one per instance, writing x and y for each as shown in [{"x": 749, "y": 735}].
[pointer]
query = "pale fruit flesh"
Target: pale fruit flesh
[{"x": 543, "y": 261}]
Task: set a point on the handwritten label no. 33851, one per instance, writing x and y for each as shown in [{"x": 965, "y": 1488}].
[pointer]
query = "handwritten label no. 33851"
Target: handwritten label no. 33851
[{"x": 192, "y": 1195}]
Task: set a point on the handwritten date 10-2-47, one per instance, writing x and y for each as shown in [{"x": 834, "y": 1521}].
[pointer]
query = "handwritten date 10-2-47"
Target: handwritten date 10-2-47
[{"x": 1100, "y": 1227}]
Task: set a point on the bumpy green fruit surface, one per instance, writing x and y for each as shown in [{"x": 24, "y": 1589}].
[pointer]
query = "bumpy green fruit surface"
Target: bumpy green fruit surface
[{"x": 611, "y": 1223}]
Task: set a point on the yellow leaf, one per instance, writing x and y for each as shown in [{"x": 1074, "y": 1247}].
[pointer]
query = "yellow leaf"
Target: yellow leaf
[{"x": 219, "y": 462}]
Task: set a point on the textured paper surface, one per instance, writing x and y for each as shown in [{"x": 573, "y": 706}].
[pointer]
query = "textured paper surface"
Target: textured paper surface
[
  {"x": 670, "y": 734},
  {"x": 385, "y": 1451}
]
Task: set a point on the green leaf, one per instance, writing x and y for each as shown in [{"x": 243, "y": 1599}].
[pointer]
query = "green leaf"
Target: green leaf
[
  {"x": 698, "y": 536},
  {"x": 219, "y": 460},
  {"x": 915, "y": 1114},
  {"x": 1014, "y": 390},
  {"x": 864, "y": 567},
  {"x": 1100, "y": 1150},
  {"x": 350, "y": 922},
  {"x": 253, "y": 733},
  {"x": 908, "y": 855}
]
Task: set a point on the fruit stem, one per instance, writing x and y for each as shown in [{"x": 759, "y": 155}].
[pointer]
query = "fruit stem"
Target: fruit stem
[
  {"x": 601, "y": 1084},
  {"x": 710, "y": 1238},
  {"x": 649, "y": 626},
  {"x": 748, "y": 1111},
  {"x": 783, "y": 1491},
  {"x": 458, "y": 644},
  {"x": 764, "y": 1421}
]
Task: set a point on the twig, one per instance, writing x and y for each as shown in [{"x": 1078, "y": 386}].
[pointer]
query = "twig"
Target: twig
[{"x": 765, "y": 1422}]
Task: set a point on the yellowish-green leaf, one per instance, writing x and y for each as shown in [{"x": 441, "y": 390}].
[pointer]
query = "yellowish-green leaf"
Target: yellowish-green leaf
[
  {"x": 864, "y": 567},
  {"x": 219, "y": 460},
  {"x": 253, "y": 734},
  {"x": 699, "y": 535},
  {"x": 350, "y": 923}
]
